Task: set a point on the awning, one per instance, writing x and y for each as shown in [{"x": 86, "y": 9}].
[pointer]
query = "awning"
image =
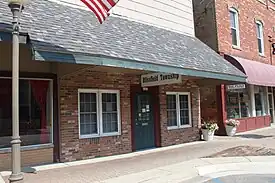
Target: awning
[{"x": 257, "y": 73}]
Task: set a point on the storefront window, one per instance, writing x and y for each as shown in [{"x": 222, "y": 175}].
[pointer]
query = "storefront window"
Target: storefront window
[
  {"x": 260, "y": 100},
  {"x": 237, "y": 105},
  {"x": 35, "y": 112}
]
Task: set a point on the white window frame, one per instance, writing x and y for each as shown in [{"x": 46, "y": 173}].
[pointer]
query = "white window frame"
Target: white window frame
[
  {"x": 99, "y": 93},
  {"x": 259, "y": 25},
  {"x": 237, "y": 28},
  {"x": 178, "y": 110}
]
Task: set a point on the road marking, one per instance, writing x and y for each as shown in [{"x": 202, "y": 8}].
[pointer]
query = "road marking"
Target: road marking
[{"x": 217, "y": 180}]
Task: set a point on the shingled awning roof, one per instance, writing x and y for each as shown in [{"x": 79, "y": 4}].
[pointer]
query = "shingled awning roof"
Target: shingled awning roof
[{"x": 66, "y": 34}]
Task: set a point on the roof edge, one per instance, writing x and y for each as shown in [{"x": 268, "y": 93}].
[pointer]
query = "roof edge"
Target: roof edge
[{"x": 78, "y": 58}]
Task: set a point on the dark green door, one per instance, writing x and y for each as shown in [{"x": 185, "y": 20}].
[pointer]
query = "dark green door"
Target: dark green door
[{"x": 144, "y": 122}]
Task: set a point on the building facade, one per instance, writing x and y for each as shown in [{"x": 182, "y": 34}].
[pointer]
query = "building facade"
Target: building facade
[
  {"x": 90, "y": 90},
  {"x": 243, "y": 33}
]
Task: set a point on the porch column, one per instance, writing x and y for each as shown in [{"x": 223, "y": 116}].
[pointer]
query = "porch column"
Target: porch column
[
  {"x": 221, "y": 106},
  {"x": 252, "y": 101}
]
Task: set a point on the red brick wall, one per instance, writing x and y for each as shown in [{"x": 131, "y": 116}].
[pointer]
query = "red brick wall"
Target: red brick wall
[
  {"x": 73, "y": 148},
  {"x": 209, "y": 108},
  {"x": 28, "y": 158},
  {"x": 249, "y": 11},
  {"x": 178, "y": 136}
]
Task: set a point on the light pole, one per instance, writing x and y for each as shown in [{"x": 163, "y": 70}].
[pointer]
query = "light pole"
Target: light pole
[{"x": 16, "y": 7}]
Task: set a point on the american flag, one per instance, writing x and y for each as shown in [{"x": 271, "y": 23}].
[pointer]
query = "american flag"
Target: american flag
[{"x": 100, "y": 8}]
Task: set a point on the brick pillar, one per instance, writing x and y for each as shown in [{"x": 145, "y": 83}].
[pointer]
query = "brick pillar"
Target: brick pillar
[{"x": 222, "y": 115}]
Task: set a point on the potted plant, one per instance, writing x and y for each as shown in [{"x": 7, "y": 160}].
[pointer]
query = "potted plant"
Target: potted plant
[
  {"x": 231, "y": 126},
  {"x": 208, "y": 129}
]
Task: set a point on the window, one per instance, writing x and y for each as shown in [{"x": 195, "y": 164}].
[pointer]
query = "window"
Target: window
[
  {"x": 237, "y": 104},
  {"x": 178, "y": 110},
  {"x": 260, "y": 37},
  {"x": 260, "y": 100},
  {"x": 234, "y": 26},
  {"x": 35, "y": 112},
  {"x": 99, "y": 113}
]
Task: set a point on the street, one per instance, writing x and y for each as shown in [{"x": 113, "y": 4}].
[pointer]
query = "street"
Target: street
[{"x": 244, "y": 179}]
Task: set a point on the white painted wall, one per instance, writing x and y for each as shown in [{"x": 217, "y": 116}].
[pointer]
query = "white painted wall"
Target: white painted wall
[{"x": 175, "y": 15}]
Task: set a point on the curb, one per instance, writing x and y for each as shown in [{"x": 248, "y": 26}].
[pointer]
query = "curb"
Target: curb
[{"x": 234, "y": 168}]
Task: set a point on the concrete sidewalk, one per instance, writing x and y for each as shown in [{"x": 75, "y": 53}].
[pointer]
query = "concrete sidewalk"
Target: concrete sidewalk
[
  {"x": 184, "y": 172},
  {"x": 207, "y": 168},
  {"x": 160, "y": 161}
]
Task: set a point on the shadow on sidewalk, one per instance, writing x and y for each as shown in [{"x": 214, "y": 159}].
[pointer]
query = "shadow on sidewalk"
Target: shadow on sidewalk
[{"x": 254, "y": 136}]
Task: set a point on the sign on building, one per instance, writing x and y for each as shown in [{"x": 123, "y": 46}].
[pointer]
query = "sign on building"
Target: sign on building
[
  {"x": 235, "y": 87},
  {"x": 156, "y": 79}
]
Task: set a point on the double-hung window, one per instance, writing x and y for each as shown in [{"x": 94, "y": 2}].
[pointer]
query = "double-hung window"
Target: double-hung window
[
  {"x": 99, "y": 113},
  {"x": 234, "y": 26},
  {"x": 178, "y": 110},
  {"x": 260, "y": 37}
]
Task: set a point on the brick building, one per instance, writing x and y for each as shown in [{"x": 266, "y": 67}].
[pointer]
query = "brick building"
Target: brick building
[
  {"x": 90, "y": 90},
  {"x": 242, "y": 32}
]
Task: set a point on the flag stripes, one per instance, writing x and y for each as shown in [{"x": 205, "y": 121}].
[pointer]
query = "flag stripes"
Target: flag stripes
[{"x": 100, "y": 8}]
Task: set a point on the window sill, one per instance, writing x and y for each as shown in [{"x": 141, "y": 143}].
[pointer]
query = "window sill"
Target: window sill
[
  {"x": 99, "y": 136},
  {"x": 262, "y": 55},
  {"x": 28, "y": 148},
  {"x": 236, "y": 47},
  {"x": 178, "y": 127}
]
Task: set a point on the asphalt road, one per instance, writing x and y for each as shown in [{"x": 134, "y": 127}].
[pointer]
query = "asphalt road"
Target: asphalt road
[{"x": 244, "y": 179}]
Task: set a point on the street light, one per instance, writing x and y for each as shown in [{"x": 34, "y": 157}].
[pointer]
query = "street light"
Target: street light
[{"x": 16, "y": 7}]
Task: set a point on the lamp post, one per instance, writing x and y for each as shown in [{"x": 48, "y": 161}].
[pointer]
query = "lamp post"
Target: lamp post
[{"x": 16, "y": 7}]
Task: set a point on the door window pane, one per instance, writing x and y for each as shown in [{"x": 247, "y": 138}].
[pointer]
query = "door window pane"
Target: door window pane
[{"x": 35, "y": 112}]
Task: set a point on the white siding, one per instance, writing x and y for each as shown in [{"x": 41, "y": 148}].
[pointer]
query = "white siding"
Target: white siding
[{"x": 176, "y": 15}]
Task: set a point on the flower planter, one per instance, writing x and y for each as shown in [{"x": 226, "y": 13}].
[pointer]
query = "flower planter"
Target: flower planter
[
  {"x": 207, "y": 135},
  {"x": 230, "y": 130}
]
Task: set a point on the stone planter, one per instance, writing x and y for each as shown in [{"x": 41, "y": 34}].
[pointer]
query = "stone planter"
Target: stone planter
[
  {"x": 230, "y": 130},
  {"x": 207, "y": 135}
]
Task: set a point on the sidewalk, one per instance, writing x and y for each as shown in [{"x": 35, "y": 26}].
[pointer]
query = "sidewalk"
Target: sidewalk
[{"x": 141, "y": 163}]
